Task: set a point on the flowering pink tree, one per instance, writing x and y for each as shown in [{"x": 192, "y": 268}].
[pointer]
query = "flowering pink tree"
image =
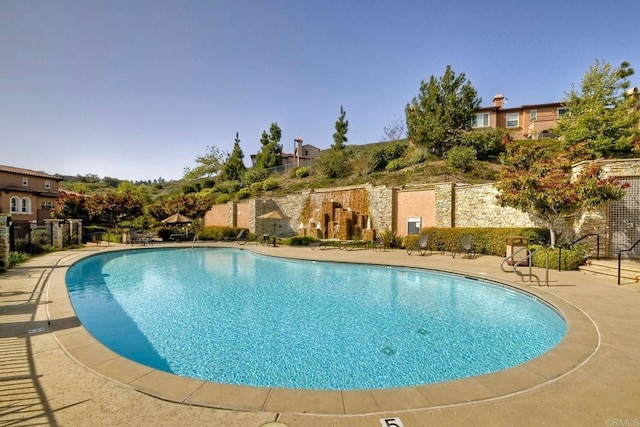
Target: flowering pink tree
[{"x": 538, "y": 180}]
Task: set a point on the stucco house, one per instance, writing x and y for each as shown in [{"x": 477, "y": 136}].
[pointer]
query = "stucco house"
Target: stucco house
[
  {"x": 525, "y": 122},
  {"x": 27, "y": 195},
  {"x": 303, "y": 155}
]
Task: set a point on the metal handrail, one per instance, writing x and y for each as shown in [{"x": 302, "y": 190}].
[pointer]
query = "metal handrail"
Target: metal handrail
[
  {"x": 576, "y": 241},
  {"x": 528, "y": 259},
  {"x": 620, "y": 257}
]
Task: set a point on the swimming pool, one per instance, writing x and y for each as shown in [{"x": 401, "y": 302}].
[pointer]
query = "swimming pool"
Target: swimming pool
[{"x": 231, "y": 316}]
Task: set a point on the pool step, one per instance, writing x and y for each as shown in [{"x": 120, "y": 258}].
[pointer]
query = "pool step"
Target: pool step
[{"x": 629, "y": 271}]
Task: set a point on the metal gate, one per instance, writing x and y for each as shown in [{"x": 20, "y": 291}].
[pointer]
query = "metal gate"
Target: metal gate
[{"x": 624, "y": 220}]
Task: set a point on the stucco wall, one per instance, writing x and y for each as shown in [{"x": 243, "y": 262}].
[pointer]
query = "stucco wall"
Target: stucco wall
[{"x": 415, "y": 203}]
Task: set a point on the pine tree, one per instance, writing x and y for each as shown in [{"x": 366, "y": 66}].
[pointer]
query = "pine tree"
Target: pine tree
[
  {"x": 270, "y": 154},
  {"x": 342, "y": 127},
  {"x": 233, "y": 167},
  {"x": 442, "y": 112},
  {"x": 601, "y": 114}
]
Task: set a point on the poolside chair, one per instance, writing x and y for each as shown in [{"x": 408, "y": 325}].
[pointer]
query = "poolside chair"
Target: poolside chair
[
  {"x": 241, "y": 238},
  {"x": 136, "y": 238},
  {"x": 422, "y": 244},
  {"x": 465, "y": 246}
]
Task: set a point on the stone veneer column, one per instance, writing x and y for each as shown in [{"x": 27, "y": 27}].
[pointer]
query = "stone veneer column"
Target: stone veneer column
[
  {"x": 75, "y": 230},
  {"x": 4, "y": 241},
  {"x": 54, "y": 227},
  {"x": 445, "y": 204}
]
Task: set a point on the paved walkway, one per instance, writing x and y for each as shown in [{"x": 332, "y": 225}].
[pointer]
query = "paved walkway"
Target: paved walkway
[{"x": 53, "y": 373}]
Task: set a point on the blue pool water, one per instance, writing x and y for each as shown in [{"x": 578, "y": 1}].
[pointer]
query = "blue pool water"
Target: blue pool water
[{"x": 235, "y": 317}]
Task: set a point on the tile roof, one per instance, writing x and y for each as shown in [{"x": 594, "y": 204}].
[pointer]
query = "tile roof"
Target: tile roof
[
  {"x": 29, "y": 172},
  {"x": 42, "y": 193}
]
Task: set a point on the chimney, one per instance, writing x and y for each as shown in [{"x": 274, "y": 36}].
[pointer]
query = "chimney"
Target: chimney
[
  {"x": 298, "y": 150},
  {"x": 498, "y": 100}
]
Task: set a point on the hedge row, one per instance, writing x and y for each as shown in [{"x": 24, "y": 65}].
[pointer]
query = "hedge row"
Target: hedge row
[
  {"x": 487, "y": 241},
  {"x": 220, "y": 232}
]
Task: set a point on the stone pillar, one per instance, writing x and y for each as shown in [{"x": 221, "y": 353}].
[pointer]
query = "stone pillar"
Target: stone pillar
[
  {"x": 75, "y": 230},
  {"x": 445, "y": 205},
  {"x": 4, "y": 241},
  {"x": 54, "y": 226}
]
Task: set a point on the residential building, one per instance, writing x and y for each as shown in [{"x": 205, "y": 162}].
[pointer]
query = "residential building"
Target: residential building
[
  {"x": 535, "y": 121},
  {"x": 27, "y": 195},
  {"x": 303, "y": 155}
]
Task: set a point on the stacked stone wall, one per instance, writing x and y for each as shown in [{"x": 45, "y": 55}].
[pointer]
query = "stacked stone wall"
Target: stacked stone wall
[
  {"x": 477, "y": 206},
  {"x": 4, "y": 242}
]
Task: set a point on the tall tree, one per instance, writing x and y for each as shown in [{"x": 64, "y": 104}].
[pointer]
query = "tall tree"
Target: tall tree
[
  {"x": 441, "y": 113},
  {"x": 538, "y": 180},
  {"x": 208, "y": 166},
  {"x": 600, "y": 113},
  {"x": 233, "y": 167},
  {"x": 342, "y": 127},
  {"x": 270, "y": 154}
]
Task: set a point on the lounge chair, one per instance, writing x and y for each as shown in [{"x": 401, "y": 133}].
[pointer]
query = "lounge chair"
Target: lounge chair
[
  {"x": 421, "y": 245},
  {"x": 241, "y": 238},
  {"x": 465, "y": 246},
  {"x": 136, "y": 238}
]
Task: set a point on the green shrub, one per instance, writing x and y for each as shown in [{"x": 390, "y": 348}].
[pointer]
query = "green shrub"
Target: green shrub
[
  {"x": 188, "y": 189},
  {"x": 396, "y": 165},
  {"x": 333, "y": 164},
  {"x": 16, "y": 258},
  {"x": 254, "y": 175},
  {"x": 390, "y": 239},
  {"x": 487, "y": 240},
  {"x": 414, "y": 155},
  {"x": 572, "y": 258},
  {"x": 222, "y": 199},
  {"x": 302, "y": 172},
  {"x": 270, "y": 184},
  {"x": 217, "y": 232},
  {"x": 387, "y": 153},
  {"x": 256, "y": 187},
  {"x": 460, "y": 157},
  {"x": 300, "y": 240},
  {"x": 243, "y": 193},
  {"x": 229, "y": 187}
]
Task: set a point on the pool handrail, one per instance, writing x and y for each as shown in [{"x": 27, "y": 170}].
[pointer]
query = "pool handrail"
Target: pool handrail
[{"x": 528, "y": 259}]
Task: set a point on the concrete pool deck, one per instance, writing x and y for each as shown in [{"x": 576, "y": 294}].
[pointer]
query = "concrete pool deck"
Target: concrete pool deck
[{"x": 57, "y": 374}]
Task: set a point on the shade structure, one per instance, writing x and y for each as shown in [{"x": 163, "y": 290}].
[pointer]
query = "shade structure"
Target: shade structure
[
  {"x": 274, "y": 216},
  {"x": 178, "y": 219}
]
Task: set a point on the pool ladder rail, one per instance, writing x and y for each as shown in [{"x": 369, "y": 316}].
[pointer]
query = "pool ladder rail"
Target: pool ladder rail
[{"x": 527, "y": 261}]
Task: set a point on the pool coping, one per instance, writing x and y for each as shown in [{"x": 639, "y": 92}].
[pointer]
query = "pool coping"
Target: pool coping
[{"x": 581, "y": 342}]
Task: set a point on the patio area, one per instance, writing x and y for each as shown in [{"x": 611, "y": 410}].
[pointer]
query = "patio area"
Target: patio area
[{"x": 54, "y": 373}]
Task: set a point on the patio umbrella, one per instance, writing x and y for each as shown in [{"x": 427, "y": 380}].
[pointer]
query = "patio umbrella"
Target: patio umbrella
[
  {"x": 177, "y": 219},
  {"x": 273, "y": 215}
]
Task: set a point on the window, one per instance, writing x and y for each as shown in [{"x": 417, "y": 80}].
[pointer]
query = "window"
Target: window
[
  {"x": 533, "y": 115},
  {"x": 25, "y": 205},
  {"x": 14, "y": 204},
  {"x": 25, "y": 181},
  {"x": 414, "y": 224},
  {"x": 44, "y": 205},
  {"x": 561, "y": 111},
  {"x": 49, "y": 204},
  {"x": 512, "y": 120},
  {"x": 47, "y": 184},
  {"x": 480, "y": 120}
]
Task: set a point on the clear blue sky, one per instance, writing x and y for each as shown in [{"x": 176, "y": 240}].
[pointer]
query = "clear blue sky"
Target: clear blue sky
[{"x": 136, "y": 89}]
